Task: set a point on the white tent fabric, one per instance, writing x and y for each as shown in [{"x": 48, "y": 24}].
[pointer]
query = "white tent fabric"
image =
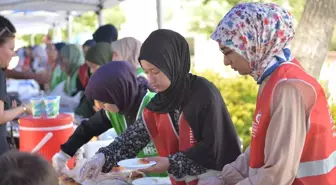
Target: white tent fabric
[
  {"x": 34, "y": 22},
  {"x": 57, "y": 5}
]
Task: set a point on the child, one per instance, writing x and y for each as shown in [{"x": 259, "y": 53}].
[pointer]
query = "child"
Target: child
[{"x": 18, "y": 168}]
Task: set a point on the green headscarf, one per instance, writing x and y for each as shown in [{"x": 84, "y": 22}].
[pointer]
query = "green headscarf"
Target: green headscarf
[
  {"x": 75, "y": 57},
  {"x": 99, "y": 54}
]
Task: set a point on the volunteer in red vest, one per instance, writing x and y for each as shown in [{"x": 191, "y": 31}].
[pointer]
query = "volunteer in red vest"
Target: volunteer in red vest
[
  {"x": 293, "y": 138},
  {"x": 122, "y": 97},
  {"x": 187, "y": 119}
]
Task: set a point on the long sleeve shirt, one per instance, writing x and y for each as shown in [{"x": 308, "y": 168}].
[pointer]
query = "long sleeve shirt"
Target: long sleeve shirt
[
  {"x": 96, "y": 125},
  {"x": 135, "y": 138},
  {"x": 285, "y": 139}
]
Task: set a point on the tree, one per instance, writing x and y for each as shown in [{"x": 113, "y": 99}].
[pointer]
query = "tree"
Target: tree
[
  {"x": 208, "y": 13},
  {"x": 88, "y": 21},
  {"x": 114, "y": 16},
  {"x": 314, "y": 33}
]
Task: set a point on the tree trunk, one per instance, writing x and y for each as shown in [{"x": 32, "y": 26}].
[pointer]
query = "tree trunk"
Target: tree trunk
[{"x": 314, "y": 33}]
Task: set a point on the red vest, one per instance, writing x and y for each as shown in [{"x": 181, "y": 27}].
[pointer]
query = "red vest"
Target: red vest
[
  {"x": 83, "y": 73},
  {"x": 318, "y": 159},
  {"x": 166, "y": 139}
]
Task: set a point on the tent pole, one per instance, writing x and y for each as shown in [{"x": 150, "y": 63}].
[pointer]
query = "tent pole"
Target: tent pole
[
  {"x": 32, "y": 39},
  {"x": 69, "y": 26},
  {"x": 159, "y": 13},
  {"x": 99, "y": 13}
]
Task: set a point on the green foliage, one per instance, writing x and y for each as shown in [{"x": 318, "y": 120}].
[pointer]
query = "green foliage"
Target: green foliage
[
  {"x": 114, "y": 16},
  {"x": 333, "y": 112},
  {"x": 240, "y": 94},
  {"x": 205, "y": 17},
  {"x": 208, "y": 13},
  {"x": 332, "y": 46},
  {"x": 88, "y": 22},
  {"x": 38, "y": 38},
  {"x": 240, "y": 97}
]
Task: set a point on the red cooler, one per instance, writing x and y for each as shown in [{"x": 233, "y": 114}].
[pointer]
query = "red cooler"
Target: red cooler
[{"x": 55, "y": 131}]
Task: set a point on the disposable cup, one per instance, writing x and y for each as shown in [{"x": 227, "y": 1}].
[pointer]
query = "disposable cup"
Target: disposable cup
[
  {"x": 37, "y": 107},
  {"x": 52, "y": 104}
]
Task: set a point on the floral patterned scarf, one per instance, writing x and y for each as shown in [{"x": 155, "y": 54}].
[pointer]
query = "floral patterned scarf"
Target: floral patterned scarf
[{"x": 260, "y": 32}]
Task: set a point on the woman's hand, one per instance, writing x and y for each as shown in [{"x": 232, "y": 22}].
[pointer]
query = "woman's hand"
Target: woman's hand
[
  {"x": 28, "y": 108},
  {"x": 92, "y": 167},
  {"x": 162, "y": 165},
  {"x": 14, "y": 104}
]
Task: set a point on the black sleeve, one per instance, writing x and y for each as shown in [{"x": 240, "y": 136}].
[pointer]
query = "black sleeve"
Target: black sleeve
[
  {"x": 96, "y": 125},
  {"x": 218, "y": 142},
  {"x": 79, "y": 85},
  {"x": 3, "y": 87},
  {"x": 3, "y": 91},
  {"x": 126, "y": 146}
]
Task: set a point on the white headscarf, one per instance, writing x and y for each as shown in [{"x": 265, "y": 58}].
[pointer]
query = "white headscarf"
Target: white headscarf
[{"x": 128, "y": 49}]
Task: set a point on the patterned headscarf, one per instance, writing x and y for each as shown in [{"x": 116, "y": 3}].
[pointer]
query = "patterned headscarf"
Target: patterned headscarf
[{"x": 260, "y": 32}]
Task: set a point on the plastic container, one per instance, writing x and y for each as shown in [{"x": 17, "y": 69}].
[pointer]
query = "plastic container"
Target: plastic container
[
  {"x": 92, "y": 147},
  {"x": 33, "y": 130},
  {"x": 37, "y": 107}
]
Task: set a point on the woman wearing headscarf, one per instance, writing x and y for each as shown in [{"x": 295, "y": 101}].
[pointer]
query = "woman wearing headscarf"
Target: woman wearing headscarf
[
  {"x": 187, "y": 119},
  {"x": 71, "y": 58},
  {"x": 293, "y": 137},
  {"x": 96, "y": 56},
  {"x": 87, "y": 45},
  {"x": 128, "y": 49},
  {"x": 106, "y": 33},
  {"x": 84, "y": 71},
  {"x": 58, "y": 75},
  {"x": 122, "y": 98}
]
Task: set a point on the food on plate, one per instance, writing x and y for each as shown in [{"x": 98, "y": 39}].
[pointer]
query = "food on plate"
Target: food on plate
[
  {"x": 144, "y": 161},
  {"x": 65, "y": 180},
  {"x": 117, "y": 169},
  {"x": 134, "y": 174}
]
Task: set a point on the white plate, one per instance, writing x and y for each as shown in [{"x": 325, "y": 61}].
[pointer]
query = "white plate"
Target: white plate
[
  {"x": 152, "y": 181},
  {"x": 135, "y": 164}
]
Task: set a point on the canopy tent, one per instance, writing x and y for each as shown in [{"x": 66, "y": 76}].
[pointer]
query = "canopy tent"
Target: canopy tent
[
  {"x": 69, "y": 6},
  {"x": 57, "y": 5},
  {"x": 60, "y": 5},
  {"x": 35, "y": 22}
]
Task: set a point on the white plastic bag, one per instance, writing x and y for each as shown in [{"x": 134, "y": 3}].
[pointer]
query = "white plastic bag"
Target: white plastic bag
[{"x": 66, "y": 100}]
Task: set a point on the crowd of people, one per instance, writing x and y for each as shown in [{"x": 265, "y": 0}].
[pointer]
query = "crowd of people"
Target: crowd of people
[{"x": 145, "y": 91}]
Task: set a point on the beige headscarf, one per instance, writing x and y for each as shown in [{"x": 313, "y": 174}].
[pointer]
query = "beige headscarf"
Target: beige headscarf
[{"x": 128, "y": 49}]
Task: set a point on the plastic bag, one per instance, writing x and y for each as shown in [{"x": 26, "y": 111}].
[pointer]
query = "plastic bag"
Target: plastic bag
[
  {"x": 210, "y": 181},
  {"x": 66, "y": 100}
]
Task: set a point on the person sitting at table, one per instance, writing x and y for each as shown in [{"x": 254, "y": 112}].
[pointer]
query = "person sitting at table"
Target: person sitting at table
[
  {"x": 187, "y": 119},
  {"x": 122, "y": 98},
  {"x": 7, "y": 45}
]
